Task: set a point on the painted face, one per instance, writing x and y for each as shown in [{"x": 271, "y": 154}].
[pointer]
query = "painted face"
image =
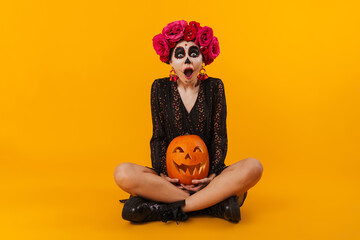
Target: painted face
[{"x": 187, "y": 61}]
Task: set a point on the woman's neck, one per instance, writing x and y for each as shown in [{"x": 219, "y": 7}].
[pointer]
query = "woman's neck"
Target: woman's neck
[{"x": 188, "y": 85}]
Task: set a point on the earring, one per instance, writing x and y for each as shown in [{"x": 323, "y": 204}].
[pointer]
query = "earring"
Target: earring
[
  {"x": 202, "y": 74},
  {"x": 173, "y": 76}
]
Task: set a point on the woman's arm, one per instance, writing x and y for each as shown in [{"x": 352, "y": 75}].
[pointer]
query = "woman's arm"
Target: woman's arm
[
  {"x": 219, "y": 142},
  {"x": 158, "y": 144}
]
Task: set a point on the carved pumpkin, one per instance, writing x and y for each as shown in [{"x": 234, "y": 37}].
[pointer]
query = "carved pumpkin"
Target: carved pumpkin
[{"x": 187, "y": 158}]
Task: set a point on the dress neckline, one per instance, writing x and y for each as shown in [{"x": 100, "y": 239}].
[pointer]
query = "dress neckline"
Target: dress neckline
[{"x": 180, "y": 99}]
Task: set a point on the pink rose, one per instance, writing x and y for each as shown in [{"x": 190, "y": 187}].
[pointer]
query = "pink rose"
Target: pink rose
[
  {"x": 161, "y": 45},
  {"x": 174, "y": 31},
  {"x": 204, "y": 36},
  {"x": 214, "y": 49}
]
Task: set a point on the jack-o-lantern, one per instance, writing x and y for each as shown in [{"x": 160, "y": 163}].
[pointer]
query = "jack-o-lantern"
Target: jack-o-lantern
[{"x": 187, "y": 158}]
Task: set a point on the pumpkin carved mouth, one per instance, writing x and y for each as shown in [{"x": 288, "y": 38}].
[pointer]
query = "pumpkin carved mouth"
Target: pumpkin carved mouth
[{"x": 190, "y": 169}]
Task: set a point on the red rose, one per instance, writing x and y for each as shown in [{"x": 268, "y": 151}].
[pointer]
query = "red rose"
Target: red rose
[
  {"x": 195, "y": 25},
  {"x": 164, "y": 58},
  {"x": 172, "y": 44},
  {"x": 204, "y": 50},
  {"x": 206, "y": 54},
  {"x": 190, "y": 33}
]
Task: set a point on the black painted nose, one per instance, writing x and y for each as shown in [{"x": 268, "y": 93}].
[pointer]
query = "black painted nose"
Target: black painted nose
[{"x": 187, "y": 60}]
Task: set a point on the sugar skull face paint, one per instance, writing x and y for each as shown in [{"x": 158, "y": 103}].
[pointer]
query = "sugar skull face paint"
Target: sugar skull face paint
[
  {"x": 194, "y": 51},
  {"x": 179, "y": 52},
  {"x": 187, "y": 61}
]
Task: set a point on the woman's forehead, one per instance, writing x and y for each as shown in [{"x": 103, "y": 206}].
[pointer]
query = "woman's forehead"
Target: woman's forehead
[{"x": 185, "y": 43}]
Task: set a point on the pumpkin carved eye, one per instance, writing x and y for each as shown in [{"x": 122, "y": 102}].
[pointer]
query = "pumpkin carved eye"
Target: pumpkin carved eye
[
  {"x": 178, "y": 150},
  {"x": 197, "y": 149}
]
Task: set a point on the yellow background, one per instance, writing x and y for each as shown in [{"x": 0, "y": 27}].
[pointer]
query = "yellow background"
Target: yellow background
[{"x": 75, "y": 80}]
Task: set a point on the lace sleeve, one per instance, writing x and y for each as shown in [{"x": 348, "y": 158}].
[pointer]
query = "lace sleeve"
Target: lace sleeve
[
  {"x": 219, "y": 142},
  {"x": 158, "y": 142}
]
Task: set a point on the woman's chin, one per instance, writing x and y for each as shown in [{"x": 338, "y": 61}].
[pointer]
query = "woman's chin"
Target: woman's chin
[{"x": 189, "y": 80}]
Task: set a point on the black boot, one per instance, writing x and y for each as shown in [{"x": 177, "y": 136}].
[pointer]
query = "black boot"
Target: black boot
[
  {"x": 243, "y": 199},
  {"x": 228, "y": 209},
  {"x": 138, "y": 209}
]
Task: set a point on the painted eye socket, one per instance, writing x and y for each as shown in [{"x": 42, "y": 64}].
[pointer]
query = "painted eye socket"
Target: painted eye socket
[
  {"x": 197, "y": 149},
  {"x": 179, "y": 52},
  {"x": 194, "y": 51},
  {"x": 178, "y": 150}
]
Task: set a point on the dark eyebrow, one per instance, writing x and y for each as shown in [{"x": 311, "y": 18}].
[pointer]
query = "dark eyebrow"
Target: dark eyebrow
[
  {"x": 193, "y": 47},
  {"x": 179, "y": 49},
  {"x": 195, "y": 50}
]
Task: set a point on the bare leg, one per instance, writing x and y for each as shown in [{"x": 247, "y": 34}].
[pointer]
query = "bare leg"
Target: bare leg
[
  {"x": 234, "y": 180},
  {"x": 138, "y": 180}
]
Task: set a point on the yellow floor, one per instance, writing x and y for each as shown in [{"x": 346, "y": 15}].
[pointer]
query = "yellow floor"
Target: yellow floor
[
  {"x": 83, "y": 204},
  {"x": 75, "y": 80}
]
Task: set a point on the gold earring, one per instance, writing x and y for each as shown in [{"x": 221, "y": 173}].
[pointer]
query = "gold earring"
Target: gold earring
[
  {"x": 173, "y": 76},
  {"x": 202, "y": 73}
]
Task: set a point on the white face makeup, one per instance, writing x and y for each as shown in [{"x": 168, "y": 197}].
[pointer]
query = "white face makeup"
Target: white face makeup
[{"x": 187, "y": 61}]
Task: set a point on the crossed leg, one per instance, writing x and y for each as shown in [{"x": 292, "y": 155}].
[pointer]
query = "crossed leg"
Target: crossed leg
[
  {"x": 234, "y": 180},
  {"x": 141, "y": 181}
]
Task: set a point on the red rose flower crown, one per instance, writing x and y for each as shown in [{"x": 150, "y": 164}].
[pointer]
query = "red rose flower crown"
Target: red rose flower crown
[{"x": 181, "y": 30}]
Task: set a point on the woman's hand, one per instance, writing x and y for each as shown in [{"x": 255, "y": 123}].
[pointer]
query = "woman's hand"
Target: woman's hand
[
  {"x": 175, "y": 181},
  {"x": 198, "y": 184},
  {"x": 172, "y": 180}
]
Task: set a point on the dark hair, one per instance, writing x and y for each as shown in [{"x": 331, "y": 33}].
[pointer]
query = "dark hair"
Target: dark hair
[{"x": 170, "y": 54}]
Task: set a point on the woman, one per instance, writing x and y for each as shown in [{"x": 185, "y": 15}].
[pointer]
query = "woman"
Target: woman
[{"x": 187, "y": 102}]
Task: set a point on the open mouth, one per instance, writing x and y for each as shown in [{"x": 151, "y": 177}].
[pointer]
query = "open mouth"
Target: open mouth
[
  {"x": 188, "y": 72},
  {"x": 190, "y": 169}
]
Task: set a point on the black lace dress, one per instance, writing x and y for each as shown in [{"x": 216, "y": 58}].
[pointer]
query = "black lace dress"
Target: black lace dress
[{"x": 206, "y": 119}]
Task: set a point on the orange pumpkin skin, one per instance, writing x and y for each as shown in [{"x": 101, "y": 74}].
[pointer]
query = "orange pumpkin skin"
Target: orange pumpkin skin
[{"x": 187, "y": 158}]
